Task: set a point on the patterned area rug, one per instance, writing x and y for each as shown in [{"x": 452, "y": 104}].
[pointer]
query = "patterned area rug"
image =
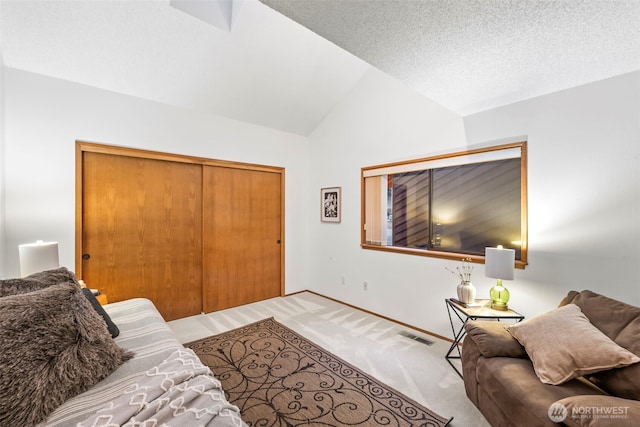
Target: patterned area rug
[{"x": 278, "y": 378}]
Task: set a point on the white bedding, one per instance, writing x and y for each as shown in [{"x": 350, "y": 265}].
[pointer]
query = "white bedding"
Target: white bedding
[{"x": 144, "y": 331}]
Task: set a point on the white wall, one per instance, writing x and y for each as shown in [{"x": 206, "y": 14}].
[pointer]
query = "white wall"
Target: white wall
[
  {"x": 584, "y": 196},
  {"x": 381, "y": 121},
  {"x": 584, "y": 190},
  {"x": 44, "y": 118},
  {"x": 2, "y": 167},
  {"x": 584, "y": 182}
]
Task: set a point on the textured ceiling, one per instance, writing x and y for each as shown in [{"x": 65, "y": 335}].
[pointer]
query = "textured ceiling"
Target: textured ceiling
[
  {"x": 258, "y": 65},
  {"x": 471, "y": 55}
]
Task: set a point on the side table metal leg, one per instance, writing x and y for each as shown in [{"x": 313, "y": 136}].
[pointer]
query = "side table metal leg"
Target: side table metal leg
[{"x": 457, "y": 337}]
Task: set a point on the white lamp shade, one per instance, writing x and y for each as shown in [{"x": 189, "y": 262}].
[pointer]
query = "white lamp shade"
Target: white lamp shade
[
  {"x": 38, "y": 256},
  {"x": 499, "y": 263}
]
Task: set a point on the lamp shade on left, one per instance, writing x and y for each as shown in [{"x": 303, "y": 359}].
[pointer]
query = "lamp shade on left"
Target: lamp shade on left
[{"x": 38, "y": 256}]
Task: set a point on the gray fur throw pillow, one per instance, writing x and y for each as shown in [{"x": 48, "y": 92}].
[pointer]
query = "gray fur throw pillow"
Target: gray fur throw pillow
[
  {"x": 54, "y": 346},
  {"x": 37, "y": 281},
  {"x": 44, "y": 279}
]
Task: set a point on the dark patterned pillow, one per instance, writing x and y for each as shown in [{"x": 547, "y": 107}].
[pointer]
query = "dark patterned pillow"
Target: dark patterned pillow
[
  {"x": 112, "y": 327},
  {"x": 54, "y": 346}
]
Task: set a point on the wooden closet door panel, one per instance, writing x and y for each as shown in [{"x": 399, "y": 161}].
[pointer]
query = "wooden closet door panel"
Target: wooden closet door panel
[
  {"x": 242, "y": 220},
  {"x": 142, "y": 228}
]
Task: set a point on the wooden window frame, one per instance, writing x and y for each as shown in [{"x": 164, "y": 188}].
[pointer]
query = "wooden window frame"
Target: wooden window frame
[{"x": 415, "y": 164}]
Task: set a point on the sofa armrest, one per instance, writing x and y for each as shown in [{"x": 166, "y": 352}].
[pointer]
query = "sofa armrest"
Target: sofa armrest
[
  {"x": 597, "y": 411},
  {"x": 493, "y": 340},
  {"x": 485, "y": 339}
]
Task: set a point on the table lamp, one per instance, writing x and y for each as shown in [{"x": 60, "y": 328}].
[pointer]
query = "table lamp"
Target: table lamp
[
  {"x": 498, "y": 264},
  {"x": 38, "y": 256}
]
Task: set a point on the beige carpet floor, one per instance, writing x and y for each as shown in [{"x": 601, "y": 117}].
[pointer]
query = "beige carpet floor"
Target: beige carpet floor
[{"x": 373, "y": 344}]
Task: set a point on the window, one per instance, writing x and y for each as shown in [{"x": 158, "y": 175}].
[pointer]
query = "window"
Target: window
[{"x": 450, "y": 205}]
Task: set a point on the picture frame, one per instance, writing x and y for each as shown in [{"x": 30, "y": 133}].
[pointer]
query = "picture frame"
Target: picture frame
[{"x": 330, "y": 204}]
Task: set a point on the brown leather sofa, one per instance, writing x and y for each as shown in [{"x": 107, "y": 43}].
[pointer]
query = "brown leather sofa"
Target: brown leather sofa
[{"x": 500, "y": 380}]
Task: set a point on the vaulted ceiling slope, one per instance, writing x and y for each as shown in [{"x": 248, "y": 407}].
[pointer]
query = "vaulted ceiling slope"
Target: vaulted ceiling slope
[
  {"x": 266, "y": 70},
  {"x": 285, "y": 64}
]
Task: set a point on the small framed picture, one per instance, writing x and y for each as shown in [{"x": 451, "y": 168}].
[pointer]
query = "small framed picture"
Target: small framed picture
[{"x": 330, "y": 201}]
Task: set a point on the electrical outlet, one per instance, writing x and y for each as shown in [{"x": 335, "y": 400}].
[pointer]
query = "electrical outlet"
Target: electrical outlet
[
  {"x": 365, "y": 286},
  {"x": 342, "y": 281}
]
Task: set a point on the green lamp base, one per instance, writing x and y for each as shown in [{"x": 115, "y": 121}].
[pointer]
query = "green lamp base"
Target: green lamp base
[{"x": 499, "y": 297}]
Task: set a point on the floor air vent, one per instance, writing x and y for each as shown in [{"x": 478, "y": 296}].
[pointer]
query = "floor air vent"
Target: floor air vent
[{"x": 416, "y": 338}]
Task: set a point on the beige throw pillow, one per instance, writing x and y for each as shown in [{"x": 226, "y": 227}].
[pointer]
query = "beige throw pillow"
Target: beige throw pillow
[{"x": 563, "y": 344}]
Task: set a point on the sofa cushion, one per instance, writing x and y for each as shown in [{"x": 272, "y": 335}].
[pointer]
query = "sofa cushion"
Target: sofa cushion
[
  {"x": 620, "y": 322},
  {"x": 54, "y": 346},
  {"x": 561, "y": 345},
  {"x": 511, "y": 385},
  {"x": 493, "y": 340},
  {"x": 143, "y": 331}
]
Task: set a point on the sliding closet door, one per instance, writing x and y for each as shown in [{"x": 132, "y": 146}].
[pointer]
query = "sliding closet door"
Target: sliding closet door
[
  {"x": 142, "y": 231},
  {"x": 242, "y": 223}
]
